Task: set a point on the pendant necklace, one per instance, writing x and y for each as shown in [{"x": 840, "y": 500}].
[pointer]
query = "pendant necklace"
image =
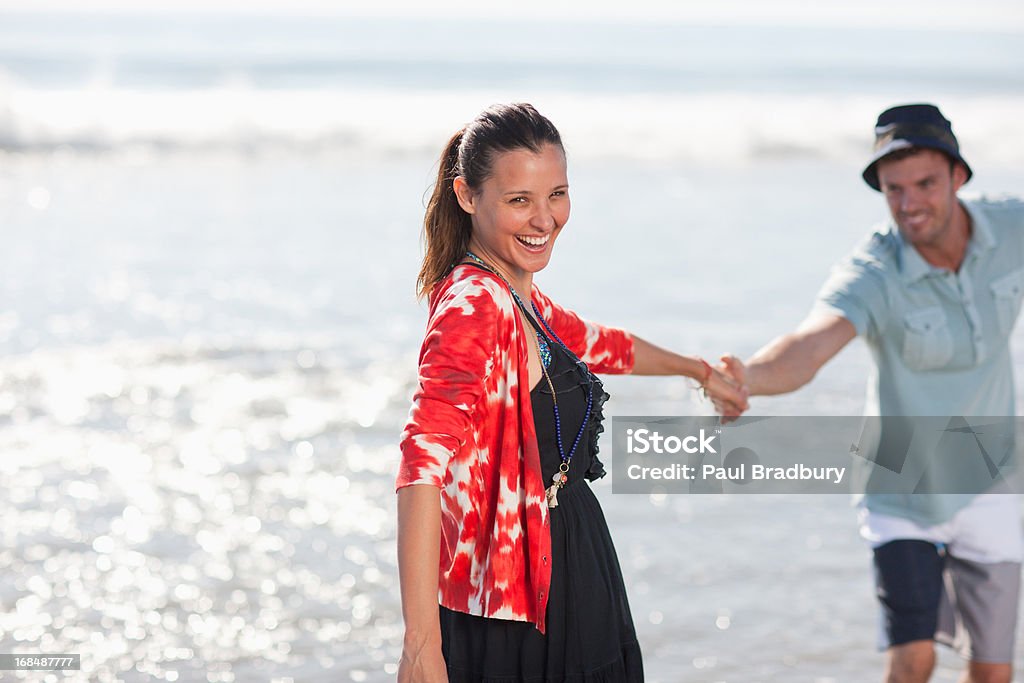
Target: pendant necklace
[{"x": 561, "y": 477}]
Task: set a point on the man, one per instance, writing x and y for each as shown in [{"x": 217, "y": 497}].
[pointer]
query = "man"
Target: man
[{"x": 935, "y": 295}]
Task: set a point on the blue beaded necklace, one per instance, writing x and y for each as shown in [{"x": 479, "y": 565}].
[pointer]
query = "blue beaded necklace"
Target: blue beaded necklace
[{"x": 544, "y": 351}]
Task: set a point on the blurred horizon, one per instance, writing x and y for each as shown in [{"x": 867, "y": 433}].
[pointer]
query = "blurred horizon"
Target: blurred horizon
[
  {"x": 994, "y": 15},
  {"x": 169, "y": 81}
]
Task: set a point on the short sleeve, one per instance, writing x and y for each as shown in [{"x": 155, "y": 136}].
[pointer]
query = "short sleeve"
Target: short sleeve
[
  {"x": 855, "y": 289},
  {"x": 607, "y": 350}
]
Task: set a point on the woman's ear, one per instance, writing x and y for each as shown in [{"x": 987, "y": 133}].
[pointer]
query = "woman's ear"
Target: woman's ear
[{"x": 464, "y": 194}]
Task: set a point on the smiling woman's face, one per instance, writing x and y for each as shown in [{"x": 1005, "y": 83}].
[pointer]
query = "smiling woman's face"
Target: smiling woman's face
[{"x": 519, "y": 210}]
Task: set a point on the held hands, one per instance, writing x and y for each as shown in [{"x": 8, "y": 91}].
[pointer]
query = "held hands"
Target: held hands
[{"x": 726, "y": 387}]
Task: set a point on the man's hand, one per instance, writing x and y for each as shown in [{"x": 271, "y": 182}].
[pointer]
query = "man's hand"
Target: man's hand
[
  {"x": 726, "y": 390},
  {"x": 733, "y": 373}
]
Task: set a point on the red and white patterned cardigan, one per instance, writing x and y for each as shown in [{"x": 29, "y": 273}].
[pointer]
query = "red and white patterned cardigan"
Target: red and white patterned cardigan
[{"x": 471, "y": 433}]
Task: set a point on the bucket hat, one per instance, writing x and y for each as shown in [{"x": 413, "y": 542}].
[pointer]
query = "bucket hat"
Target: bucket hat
[{"x": 912, "y": 125}]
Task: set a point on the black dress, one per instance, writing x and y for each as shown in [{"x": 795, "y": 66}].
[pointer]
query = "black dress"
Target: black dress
[{"x": 590, "y": 636}]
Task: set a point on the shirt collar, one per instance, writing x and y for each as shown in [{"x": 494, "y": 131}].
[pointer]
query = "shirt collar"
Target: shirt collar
[
  {"x": 982, "y": 237},
  {"x": 913, "y": 265}
]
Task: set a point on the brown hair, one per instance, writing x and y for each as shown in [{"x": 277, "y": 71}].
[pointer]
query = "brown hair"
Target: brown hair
[
  {"x": 470, "y": 153},
  {"x": 906, "y": 152}
]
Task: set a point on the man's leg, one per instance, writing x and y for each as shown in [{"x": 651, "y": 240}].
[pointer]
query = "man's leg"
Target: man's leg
[
  {"x": 908, "y": 579},
  {"x": 983, "y": 672},
  {"x": 984, "y": 568},
  {"x": 987, "y": 595},
  {"x": 910, "y": 662}
]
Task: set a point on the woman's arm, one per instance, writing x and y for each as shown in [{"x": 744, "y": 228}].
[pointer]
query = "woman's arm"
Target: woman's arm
[
  {"x": 614, "y": 351},
  {"x": 462, "y": 342},
  {"x": 654, "y": 360},
  {"x": 419, "y": 543},
  {"x": 649, "y": 359}
]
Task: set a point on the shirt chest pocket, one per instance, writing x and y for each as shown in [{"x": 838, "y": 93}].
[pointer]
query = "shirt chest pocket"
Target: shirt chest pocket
[
  {"x": 1007, "y": 292},
  {"x": 927, "y": 339}
]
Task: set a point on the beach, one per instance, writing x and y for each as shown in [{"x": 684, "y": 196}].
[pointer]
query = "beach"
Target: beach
[{"x": 209, "y": 236}]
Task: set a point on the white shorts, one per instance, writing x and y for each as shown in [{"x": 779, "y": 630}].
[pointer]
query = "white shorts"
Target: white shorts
[{"x": 987, "y": 530}]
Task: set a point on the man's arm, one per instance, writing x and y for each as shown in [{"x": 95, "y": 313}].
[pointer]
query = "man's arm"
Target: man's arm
[{"x": 792, "y": 360}]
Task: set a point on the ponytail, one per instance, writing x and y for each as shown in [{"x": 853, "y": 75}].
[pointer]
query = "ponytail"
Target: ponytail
[
  {"x": 446, "y": 227},
  {"x": 470, "y": 154}
]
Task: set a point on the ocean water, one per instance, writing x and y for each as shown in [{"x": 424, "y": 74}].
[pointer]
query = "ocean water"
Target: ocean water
[{"x": 209, "y": 234}]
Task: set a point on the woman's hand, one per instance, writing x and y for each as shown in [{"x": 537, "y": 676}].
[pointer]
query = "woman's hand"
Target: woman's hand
[{"x": 422, "y": 662}]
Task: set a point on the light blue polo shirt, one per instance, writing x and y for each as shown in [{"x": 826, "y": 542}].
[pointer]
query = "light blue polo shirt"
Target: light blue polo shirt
[{"x": 940, "y": 340}]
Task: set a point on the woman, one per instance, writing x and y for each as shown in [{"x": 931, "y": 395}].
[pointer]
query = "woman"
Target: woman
[{"x": 495, "y": 518}]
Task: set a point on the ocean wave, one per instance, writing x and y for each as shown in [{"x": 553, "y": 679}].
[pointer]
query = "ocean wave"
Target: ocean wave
[{"x": 725, "y": 127}]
